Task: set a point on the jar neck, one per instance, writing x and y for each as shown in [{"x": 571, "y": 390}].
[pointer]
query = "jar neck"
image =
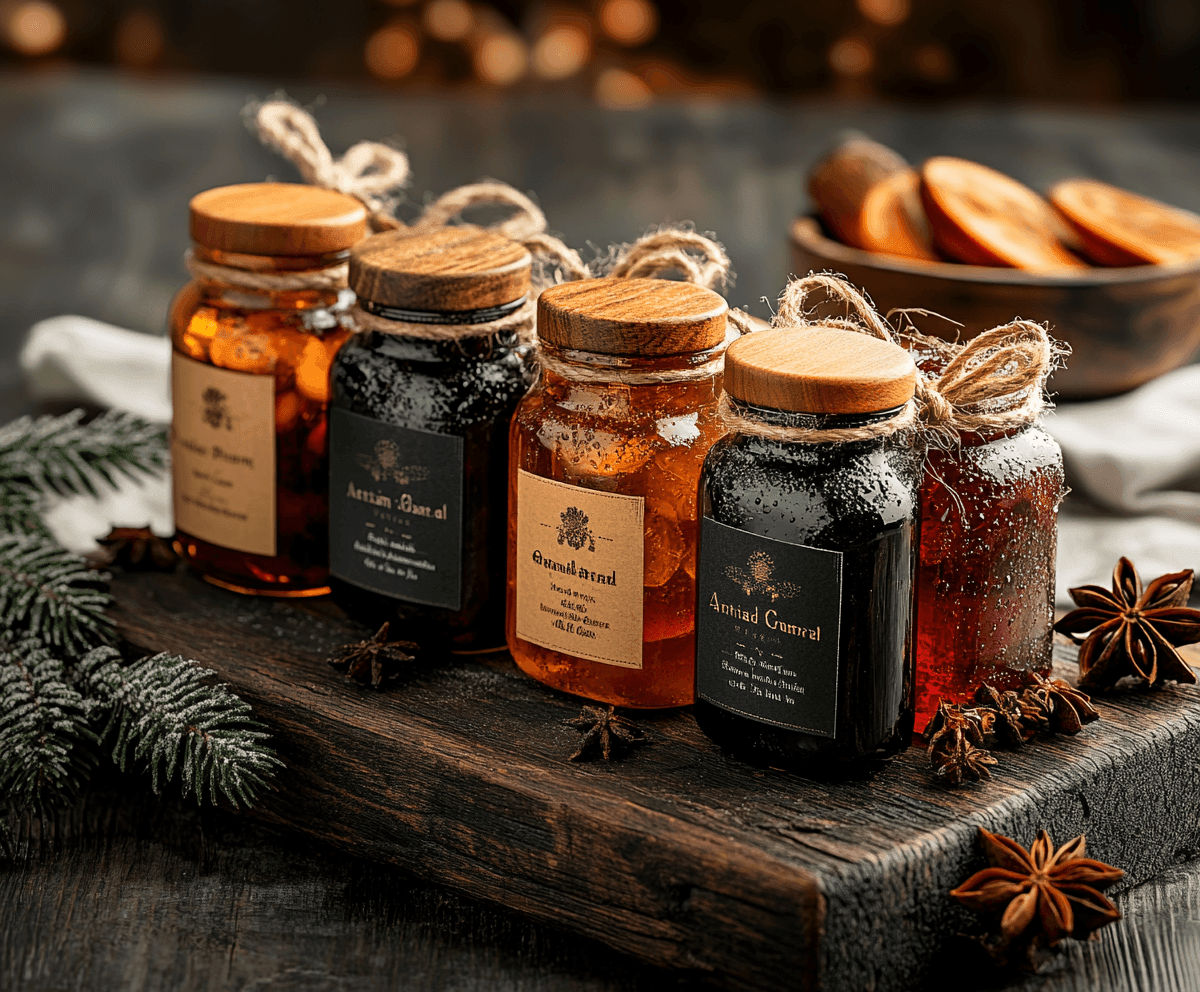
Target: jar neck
[
  {"x": 215, "y": 291},
  {"x": 572, "y": 365},
  {"x": 809, "y": 421},
  {"x": 476, "y": 348}
]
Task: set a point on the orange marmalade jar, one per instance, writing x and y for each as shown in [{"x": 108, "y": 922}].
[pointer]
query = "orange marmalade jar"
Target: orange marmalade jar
[
  {"x": 254, "y": 335},
  {"x": 604, "y": 465}
]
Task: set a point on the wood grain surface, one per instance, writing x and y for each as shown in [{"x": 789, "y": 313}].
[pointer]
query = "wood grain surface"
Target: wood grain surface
[
  {"x": 632, "y": 316},
  {"x": 822, "y": 370},
  {"x": 445, "y": 269},
  {"x": 678, "y": 856},
  {"x": 276, "y": 219}
]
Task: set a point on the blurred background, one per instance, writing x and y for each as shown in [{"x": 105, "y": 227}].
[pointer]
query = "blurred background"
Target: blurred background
[{"x": 625, "y": 53}]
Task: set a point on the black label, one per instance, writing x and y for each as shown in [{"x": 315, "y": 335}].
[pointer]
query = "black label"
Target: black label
[
  {"x": 768, "y": 618},
  {"x": 395, "y": 509}
]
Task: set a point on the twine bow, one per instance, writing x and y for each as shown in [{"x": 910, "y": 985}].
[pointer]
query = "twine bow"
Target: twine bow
[
  {"x": 994, "y": 381},
  {"x": 699, "y": 259}
]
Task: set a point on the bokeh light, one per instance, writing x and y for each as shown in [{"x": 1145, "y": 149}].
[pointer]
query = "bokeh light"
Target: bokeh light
[
  {"x": 934, "y": 63},
  {"x": 139, "y": 39},
  {"x": 889, "y": 13},
  {"x": 561, "y": 51},
  {"x": 628, "y": 22},
  {"x": 501, "y": 59},
  {"x": 619, "y": 89},
  {"x": 449, "y": 20},
  {"x": 34, "y": 27},
  {"x": 392, "y": 52},
  {"x": 851, "y": 57}
]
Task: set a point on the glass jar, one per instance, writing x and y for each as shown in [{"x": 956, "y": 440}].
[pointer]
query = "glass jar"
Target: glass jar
[
  {"x": 422, "y": 400},
  {"x": 807, "y": 554},
  {"x": 605, "y": 457},
  {"x": 985, "y": 582},
  {"x": 254, "y": 335}
]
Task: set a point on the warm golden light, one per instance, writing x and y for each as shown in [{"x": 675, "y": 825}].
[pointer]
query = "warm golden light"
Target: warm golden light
[
  {"x": 139, "y": 39},
  {"x": 621, "y": 90},
  {"x": 501, "y": 59},
  {"x": 628, "y": 22},
  {"x": 392, "y": 52},
  {"x": 851, "y": 57},
  {"x": 934, "y": 63},
  {"x": 449, "y": 20},
  {"x": 561, "y": 51},
  {"x": 35, "y": 27},
  {"x": 889, "y": 13}
]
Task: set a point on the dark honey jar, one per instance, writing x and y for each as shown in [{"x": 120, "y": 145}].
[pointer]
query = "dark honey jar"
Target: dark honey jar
[
  {"x": 422, "y": 398},
  {"x": 808, "y": 544},
  {"x": 253, "y": 337},
  {"x": 605, "y": 459}
]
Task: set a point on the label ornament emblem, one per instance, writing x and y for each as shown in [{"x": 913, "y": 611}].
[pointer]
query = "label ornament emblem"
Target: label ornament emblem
[
  {"x": 574, "y": 529},
  {"x": 384, "y": 465},
  {"x": 756, "y": 578},
  {"x": 216, "y": 412}
]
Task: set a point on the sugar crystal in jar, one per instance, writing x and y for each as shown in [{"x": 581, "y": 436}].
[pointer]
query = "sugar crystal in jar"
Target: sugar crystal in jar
[
  {"x": 605, "y": 460},
  {"x": 253, "y": 337},
  {"x": 422, "y": 399},
  {"x": 808, "y": 544}
]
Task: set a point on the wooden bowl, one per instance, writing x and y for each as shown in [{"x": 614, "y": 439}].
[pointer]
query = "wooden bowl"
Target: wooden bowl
[{"x": 1125, "y": 326}]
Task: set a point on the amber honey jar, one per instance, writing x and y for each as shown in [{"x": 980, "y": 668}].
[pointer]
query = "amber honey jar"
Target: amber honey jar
[
  {"x": 808, "y": 545},
  {"x": 423, "y": 394},
  {"x": 254, "y": 335},
  {"x": 989, "y": 535},
  {"x": 605, "y": 457}
]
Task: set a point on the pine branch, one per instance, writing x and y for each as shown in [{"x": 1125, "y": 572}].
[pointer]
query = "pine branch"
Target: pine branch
[
  {"x": 163, "y": 710},
  {"x": 45, "y": 752},
  {"x": 21, "y": 513},
  {"x": 51, "y": 594},
  {"x": 58, "y": 455}
]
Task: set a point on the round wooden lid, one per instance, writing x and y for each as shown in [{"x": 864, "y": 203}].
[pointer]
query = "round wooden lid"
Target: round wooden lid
[
  {"x": 632, "y": 316},
  {"x": 444, "y": 269},
  {"x": 277, "y": 219},
  {"x": 819, "y": 370},
  {"x": 1122, "y": 228},
  {"x": 983, "y": 217}
]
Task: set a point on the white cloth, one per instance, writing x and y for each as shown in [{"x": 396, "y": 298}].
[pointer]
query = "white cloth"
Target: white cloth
[
  {"x": 83, "y": 360},
  {"x": 1137, "y": 458},
  {"x": 80, "y": 360}
]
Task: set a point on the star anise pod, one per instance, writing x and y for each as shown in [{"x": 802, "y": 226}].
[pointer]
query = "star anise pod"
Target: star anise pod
[
  {"x": 1065, "y": 708},
  {"x": 1006, "y": 707},
  {"x": 604, "y": 731},
  {"x": 1131, "y": 631},
  {"x": 1041, "y": 895},
  {"x": 136, "y": 549},
  {"x": 373, "y": 660},
  {"x": 956, "y": 751}
]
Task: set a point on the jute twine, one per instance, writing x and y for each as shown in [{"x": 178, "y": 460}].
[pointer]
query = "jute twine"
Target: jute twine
[
  {"x": 995, "y": 381},
  {"x": 736, "y": 421},
  {"x": 329, "y": 279}
]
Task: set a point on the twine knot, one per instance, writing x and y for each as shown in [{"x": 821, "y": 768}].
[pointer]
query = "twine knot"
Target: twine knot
[
  {"x": 699, "y": 259},
  {"x": 369, "y": 171}
]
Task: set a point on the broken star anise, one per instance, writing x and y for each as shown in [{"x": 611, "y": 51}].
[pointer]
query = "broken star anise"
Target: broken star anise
[
  {"x": 1041, "y": 895},
  {"x": 373, "y": 660},
  {"x": 604, "y": 731},
  {"x": 956, "y": 751},
  {"x": 1063, "y": 708},
  {"x": 1009, "y": 727},
  {"x": 136, "y": 549},
  {"x": 1131, "y": 631}
]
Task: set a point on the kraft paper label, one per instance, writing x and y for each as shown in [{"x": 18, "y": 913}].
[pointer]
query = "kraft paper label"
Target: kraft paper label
[
  {"x": 579, "y": 570},
  {"x": 223, "y": 455},
  {"x": 768, "y": 623},
  {"x": 395, "y": 509}
]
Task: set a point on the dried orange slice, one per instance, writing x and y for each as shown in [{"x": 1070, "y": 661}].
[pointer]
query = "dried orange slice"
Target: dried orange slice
[
  {"x": 1121, "y": 228},
  {"x": 983, "y": 217},
  {"x": 869, "y": 198}
]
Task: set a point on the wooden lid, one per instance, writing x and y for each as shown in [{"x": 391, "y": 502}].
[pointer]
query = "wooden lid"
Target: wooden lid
[
  {"x": 819, "y": 370},
  {"x": 983, "y": 217},
  {"x": 444, "y": 269},
  {"x": 632, "y": 316},
  {"x": 1122, "y": 228},
  {"x": 277, "y": 219}
]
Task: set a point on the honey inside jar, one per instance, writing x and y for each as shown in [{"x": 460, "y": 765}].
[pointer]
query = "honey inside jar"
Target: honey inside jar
[
  {"x": 250, "y": 440},
  {"x": 605, "y": 457}
]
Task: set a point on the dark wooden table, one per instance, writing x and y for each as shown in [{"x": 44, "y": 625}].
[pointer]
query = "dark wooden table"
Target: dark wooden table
[{"x": 131, "y": 892}]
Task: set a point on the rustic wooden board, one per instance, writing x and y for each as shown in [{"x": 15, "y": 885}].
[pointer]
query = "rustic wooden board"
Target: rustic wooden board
[{"x": 680, "y": 856}]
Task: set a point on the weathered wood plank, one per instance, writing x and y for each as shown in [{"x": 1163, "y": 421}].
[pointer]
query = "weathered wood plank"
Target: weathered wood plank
[{"x": 679, "y": 855}]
